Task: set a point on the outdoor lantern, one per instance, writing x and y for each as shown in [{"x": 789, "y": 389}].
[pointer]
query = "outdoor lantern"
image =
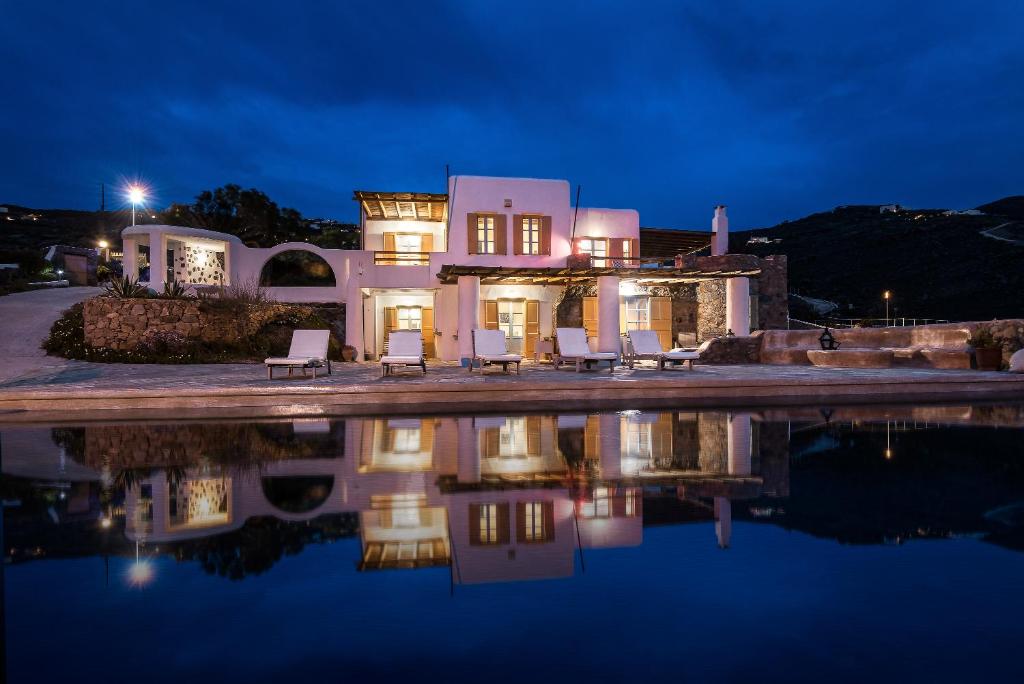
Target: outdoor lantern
[{"x": 828, "y": 340}]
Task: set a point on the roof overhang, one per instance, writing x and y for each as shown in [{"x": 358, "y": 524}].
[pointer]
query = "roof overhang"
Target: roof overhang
[
  {"x": 658, "y": 241},
  {"x": 490, "y": 275},
  {"x": 402, "y": 206}
]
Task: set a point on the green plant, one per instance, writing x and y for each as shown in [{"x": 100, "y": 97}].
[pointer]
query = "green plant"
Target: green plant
[
  {"x": 982, "y": 339},
  {"x": 126, "y": 288},
  {"x": 175, "y": 290}
]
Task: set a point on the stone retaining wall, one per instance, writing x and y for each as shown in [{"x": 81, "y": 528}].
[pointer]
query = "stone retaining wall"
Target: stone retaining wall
[{"x": 124, "y": 323}]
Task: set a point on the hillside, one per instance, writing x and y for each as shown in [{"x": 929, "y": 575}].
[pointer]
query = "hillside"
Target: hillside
[
  {"x": 24, "y": 228},
  {"x": 936, "y": 266}
]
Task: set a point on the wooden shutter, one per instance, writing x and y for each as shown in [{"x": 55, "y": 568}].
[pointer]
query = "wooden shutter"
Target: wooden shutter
[
  {"x": 502, "y": 518},
  {"x": 549, "y": 520},
  {"x": 590, "y": 316},
  {"x": 366, "y": 436},
  {"x": 520, "y": 522},
  {"x": 427, "y": 242},
  {"x": 390, "y": 319},
  {"x": 471, "y": 244},
  {"x": 661, "y": 320},
  {"x": 517, "y": 233},
  {"x": 592, "y": 439},
  {"x": 532, "y": 326},
  {"x": 492, "y": 442},
  {"x": 533, "y": 436},
  {"x": 661, "y": 438},
  {"x": 389, "y": 242},
  {"x": 634, "y": 249},
  {"x": 491, "y": 314},
  {"x": 428, "y": 332},
  {"x": 500, "y": 236},
  {"x": 474, "y": 525},
  {"x": 615, "y": 247},
  {"x": 545, "y": 235}
]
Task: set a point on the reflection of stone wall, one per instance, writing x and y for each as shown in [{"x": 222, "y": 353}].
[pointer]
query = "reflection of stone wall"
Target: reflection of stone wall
[
  {"x": 773, "y": 441},
  {"x": 713, "y": 436},
  {"x": 685, "y": 443},
  {"x": 710, "y": 309}
]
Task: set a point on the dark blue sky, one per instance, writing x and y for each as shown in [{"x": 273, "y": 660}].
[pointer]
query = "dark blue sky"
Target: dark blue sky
[{"x": 776, "y": 109}]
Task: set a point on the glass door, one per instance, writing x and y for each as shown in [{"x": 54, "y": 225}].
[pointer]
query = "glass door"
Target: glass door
[{"x": 512, "y": 320}]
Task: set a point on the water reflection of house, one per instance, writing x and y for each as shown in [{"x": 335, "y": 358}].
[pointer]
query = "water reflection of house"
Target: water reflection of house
[{"x": 495, "y": 498}]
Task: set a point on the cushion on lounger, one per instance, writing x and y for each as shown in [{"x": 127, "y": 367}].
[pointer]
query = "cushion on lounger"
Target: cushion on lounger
[{"x": 410, "y": 360}]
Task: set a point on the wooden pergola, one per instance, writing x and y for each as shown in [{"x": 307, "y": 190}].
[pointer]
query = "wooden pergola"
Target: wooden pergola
[
  {"x": 490, "y": 275},
  {"x": 402, "y": 206}
]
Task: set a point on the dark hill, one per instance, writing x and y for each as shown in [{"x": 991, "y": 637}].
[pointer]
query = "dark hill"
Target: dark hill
[
  {"x": 1010, "y": 207},
  {"x": 936, "y": 266}
]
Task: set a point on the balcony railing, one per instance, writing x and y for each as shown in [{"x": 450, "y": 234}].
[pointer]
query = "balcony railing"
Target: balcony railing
[
  {"x": 627, "y": 262},
  {"x": 401, "y": 258}
]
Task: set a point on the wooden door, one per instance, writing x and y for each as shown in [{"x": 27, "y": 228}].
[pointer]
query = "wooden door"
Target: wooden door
[
  {"x": 428, "y": 332},
  {"x": 661, "y": 320},
  {"x": 590, "y": 316},
  {"x": 76, "y": 269},
  {"x": 532, "y": 327}
]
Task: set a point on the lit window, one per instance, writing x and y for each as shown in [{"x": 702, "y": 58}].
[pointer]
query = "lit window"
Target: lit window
[
  {"x": 534, "y": 521},
  {"x": 531, "y": 235},
  {"x": 488, "y": 523},
  {"x": 408, "y": 242},
  {"x": 638, "y": 313},
  {"x": 597, "y": 248},
  {"x": 410, "y": 318},
  {"x": 627, "y": 249},
  {"x": 485, "y": 235}
]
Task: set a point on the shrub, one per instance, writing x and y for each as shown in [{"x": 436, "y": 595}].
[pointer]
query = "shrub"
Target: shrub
[
  {"x": 175, "y": 290},
  {"x": 982, "y": 339},
  {"x": 126, "y": 288}
]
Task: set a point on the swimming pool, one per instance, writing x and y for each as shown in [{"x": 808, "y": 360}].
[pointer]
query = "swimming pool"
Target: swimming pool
[{"x": 776, "y": 545}]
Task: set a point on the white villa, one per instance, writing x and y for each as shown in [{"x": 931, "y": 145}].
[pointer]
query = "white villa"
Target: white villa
[{"x": 490, "y": 253}]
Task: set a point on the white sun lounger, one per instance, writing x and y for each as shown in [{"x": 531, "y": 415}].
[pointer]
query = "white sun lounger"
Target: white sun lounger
[
  {"x": 572, "y": 347},
  {"x": 645, "y": 345},
  {"x": 308, "y": 350},
  {"x": 405, "y": 348},
  {"x": 489, "y": 348}
]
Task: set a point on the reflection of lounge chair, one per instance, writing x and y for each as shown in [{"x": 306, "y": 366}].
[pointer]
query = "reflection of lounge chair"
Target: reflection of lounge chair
[
  {"x": 308, "y": 350},
  {"x": 489, "y": 347},
  {"x": 405, "y": 348},
  {"x": 644, "y": 345},
  {"x": 572, "y": 347}
]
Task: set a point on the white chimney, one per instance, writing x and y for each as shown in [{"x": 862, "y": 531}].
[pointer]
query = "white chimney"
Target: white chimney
[{"x": 720, "y": 232}]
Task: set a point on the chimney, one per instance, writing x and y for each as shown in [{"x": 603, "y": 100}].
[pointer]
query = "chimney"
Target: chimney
[{"x": 720, "y": 232}]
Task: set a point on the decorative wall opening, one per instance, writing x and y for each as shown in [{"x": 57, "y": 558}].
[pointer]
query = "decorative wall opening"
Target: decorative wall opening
[
  {"x": 297, "y": 494},
  {"x": 297, "y": 268}
]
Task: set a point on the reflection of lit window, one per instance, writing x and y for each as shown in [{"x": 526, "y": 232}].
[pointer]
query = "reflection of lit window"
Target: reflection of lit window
[
  {"x": 597, "y": 248},
  {"x": 531, "y": 235},
  {"x": 600, "y": 506},
  {"x": 488, "y": 523},
  {"x": 638, "y": 313},
  {"x": 638, "y": 440},
  {"x": 631, "y": 501},
  {"x": 410, "y": 318},
  {"x": 534, "y": 521},
  {"x": 405, "y": 516},
  {"x": 512, "y": 438},
  {"x": 485, "y": 235},
  {"x": 405, "y": 440}
]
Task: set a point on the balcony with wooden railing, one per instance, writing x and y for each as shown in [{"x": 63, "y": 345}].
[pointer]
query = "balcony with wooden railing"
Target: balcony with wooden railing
[{"x": 382, "y": 258}]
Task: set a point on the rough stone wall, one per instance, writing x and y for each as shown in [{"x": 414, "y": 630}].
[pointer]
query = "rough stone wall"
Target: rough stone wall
[
  {"x": 684, "y": 310},
  {"x": 124, "y": 323},
  {"x": 710, "y": 309},
  {"x": 734, "y": 350},
  {"x": 773, "y": 293}
]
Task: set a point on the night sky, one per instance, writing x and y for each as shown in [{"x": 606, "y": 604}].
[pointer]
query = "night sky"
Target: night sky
[{"x": 777, "y": 109}]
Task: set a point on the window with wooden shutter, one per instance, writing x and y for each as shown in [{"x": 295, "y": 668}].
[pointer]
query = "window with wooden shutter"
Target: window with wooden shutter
[
  {"x": 528, "y": 239},
  {"x": 488, "y": 524},
  {"x": 535, "y": 521},
  {"x": 545, "y": 235}
]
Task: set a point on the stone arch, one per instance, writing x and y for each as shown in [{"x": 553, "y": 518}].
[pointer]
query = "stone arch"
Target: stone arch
[
  {"x": 297, "y": 494},
  {"x": 297, "y": 267}
]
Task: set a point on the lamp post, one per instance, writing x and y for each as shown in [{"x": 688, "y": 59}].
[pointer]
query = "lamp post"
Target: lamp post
[
  {"x": 135, "y": 196},
  {"x": 104, "y": 246},
  {"x": 886, "y": 296}
]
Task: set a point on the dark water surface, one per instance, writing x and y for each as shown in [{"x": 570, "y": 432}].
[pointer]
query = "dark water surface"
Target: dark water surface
[{"x": 847, "y": 544}]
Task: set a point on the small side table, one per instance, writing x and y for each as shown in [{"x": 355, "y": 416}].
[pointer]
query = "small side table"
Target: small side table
[{"x": 543, "y": 347}]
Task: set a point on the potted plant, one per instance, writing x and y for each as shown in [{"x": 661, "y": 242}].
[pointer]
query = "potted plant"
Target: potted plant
[
  {"x": 988, "y": 355},
  {"x": 348, "y": 353}
]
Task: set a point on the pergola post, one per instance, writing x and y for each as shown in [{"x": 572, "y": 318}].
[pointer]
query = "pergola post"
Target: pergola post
[
  {"x": 611, "y": 445},
  {"x": 737, "y": 305},
  {"x": 723, "y": 521},
  {"x": 469, "y": 315},
  {"x": 354, "y": 334},
  {"x": 130, "y": 258},
  {"x": 157, "y": 260},
  {"x": 608, "y": 314},
  {"x": 468, "y": 452}
]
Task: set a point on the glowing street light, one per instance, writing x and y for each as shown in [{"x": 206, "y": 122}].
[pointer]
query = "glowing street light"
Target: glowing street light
[
  {"x": 887, "y": 296},
  {"x": 136, "y": 196}
]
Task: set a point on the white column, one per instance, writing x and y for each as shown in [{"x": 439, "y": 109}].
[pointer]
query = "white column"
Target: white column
[
  {"x": 130, "y": 260},
  {"x": 737, "y": 305},
  {"x": 611, "y": 445},
  {"x": 354, "y": 316},
  {"x": 720, "y": 232},
  {"x": 157, "y": 261},
  {"x": 468, "y": 452},
  {"x": 739, "y": 444},
  {"x": 723, "y": 521},
  {"x": 608, "y": 314},
  {"x": 469, "y": 315}
]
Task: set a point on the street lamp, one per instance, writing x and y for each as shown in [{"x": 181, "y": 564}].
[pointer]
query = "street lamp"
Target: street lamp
[
  {"x": 886, "y": 296},
  {"x": 135, "y": 196}
]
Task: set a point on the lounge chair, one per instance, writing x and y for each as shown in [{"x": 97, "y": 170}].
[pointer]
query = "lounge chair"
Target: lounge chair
[
  {"x": 308, "y": 350},
  {"x": 644, "y": 345},
  {"x": 489, "y": 348},
  {"x": 405, "y": 348},
  {"x": 572, "y": 347}
]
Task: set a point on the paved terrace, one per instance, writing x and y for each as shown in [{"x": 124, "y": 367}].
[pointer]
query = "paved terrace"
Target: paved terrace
[{"x": 36, "y": 387}]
